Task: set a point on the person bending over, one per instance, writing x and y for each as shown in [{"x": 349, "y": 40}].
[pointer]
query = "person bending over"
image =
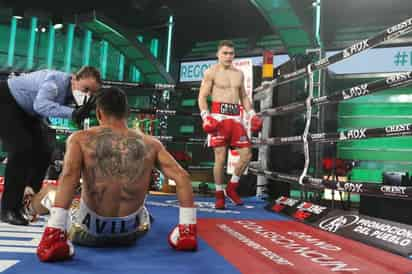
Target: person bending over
[{"x": 25, "y": 101}]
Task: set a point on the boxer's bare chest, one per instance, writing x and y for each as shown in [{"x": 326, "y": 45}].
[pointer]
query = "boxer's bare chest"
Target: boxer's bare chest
[
  {"x": 226, "y": 86},
  {"x": 227, "y": 79}
]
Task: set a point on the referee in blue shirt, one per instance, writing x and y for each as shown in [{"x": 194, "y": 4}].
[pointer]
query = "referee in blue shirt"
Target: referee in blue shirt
[{"x": 24, "y": 103}]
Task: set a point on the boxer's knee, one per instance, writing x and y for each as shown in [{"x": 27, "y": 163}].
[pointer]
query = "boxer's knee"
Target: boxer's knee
[
  {"x": 248, "y": 155},
  {"x": 245, "y": 155},
  {"x": 220, "y": 156},
  {"x": 44, "y": 199}
]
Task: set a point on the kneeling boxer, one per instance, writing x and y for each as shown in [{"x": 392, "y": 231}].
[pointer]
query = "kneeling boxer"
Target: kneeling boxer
[
  {"x": 225, "y": 84},
  {"x": 115, "y": 165}
]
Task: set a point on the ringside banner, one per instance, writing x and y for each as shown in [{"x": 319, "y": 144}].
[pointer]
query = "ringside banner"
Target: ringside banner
[
  {"x": 300, "y": 210},
  {"x": 265, "y": 246},
  {"x": 391, "y": 236},
  {"x": 283, "y": 205}
]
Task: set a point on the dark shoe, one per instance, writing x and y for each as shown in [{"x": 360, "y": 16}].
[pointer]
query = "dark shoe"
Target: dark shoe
[{"x": 13, "y": 217}]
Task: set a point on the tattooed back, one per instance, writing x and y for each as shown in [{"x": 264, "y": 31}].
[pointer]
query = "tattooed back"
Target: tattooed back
[{"x": 116, "y": 172}]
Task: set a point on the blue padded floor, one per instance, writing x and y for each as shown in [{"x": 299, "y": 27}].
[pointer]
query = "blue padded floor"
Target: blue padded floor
[
  {"x": 152, "y": 253},
  {"x": 228, "y": 243}
]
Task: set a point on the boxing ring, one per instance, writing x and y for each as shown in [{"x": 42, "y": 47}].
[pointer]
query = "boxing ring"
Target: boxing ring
[{"x": 242, "y": 239}]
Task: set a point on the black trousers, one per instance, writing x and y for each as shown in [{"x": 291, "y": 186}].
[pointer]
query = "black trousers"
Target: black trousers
[{"x": 27, "y": 141}]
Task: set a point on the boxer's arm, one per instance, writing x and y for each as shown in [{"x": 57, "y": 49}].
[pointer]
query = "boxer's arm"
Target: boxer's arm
[
  {"x": 244, "y": 98},
  {"x": 174, "y": 171},
  {"x": 184, "y": 236},
  {"x": 70, "y": 176},
  {"x": 256, "y": 121},
  {"x": 205, "y": 91},
  {"x": 54, "y": 245}
]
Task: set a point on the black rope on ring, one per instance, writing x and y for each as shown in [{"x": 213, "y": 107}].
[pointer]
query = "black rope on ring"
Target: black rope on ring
[
  {"x": 386, "y": 35},
  {"x": 148, "y": 86},
  {"x": 361, "y": 188},
  {"x": 107, "y": 83},
  {"x": 167, "y": 139},
  {"x": 164, "y": 112},
  {"x": 344, "y": 135},
  {"x": 181, "y": 139},
  {"x": 397, "y": 80}
]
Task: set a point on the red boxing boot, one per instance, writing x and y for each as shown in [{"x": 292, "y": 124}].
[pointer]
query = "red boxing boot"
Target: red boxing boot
[
  {"x": 232, "y": 194},
  {"x": 220, "y": 199}
]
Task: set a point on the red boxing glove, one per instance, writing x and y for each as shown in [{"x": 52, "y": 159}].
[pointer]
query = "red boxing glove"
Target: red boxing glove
[
  {"x": 256, "y": 122},
  {"x": 54, "y": 246},
  {"x": 184, "y": 236},
  {"x": 209, "y": 123}
]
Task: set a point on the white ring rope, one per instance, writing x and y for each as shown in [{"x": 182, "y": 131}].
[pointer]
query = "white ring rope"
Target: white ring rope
[{"x": 307, "y": 126}]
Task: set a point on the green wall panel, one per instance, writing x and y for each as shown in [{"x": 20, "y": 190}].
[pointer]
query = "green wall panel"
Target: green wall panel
[
  {"x": 389, "y": 107},
  {"x": 373, "y": 175},
  {"x": 371, "y": 121},
  {"x": 366, "y": 175},
  {"x": 374, "y": 154},
  {"x": 376, "y": 109}
]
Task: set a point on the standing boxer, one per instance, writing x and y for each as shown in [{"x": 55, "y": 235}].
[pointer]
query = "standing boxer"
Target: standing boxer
[{"x": 225, "y": 84}]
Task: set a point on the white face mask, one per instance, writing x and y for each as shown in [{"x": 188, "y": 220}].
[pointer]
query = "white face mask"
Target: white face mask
[{"x": 80, "y": 97}]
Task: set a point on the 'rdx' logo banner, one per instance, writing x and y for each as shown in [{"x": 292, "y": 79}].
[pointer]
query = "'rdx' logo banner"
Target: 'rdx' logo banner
[
  {"x": 353, "y": 134},
  {"x": 356, "y": 48},
  {"x": 357, "y": 91}
]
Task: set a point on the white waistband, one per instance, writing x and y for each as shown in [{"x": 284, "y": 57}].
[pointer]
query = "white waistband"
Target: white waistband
[
  {"x": 106, "y": 226},
  {"x": 221, "y": 117}
]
